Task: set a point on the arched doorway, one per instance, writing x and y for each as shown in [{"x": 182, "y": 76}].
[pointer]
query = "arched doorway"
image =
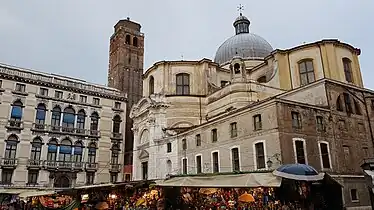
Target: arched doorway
[{"x": 62, "y": 182}]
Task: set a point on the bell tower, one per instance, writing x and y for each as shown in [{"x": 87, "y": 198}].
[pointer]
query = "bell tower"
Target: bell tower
[{"x": 125, "y": 72}]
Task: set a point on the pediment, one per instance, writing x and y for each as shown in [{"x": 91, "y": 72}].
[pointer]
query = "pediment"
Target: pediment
[{"x": 143, "y": 154}]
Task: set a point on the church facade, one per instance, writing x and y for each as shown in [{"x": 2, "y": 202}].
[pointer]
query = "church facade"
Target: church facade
[{"x": 254, "y": 108}]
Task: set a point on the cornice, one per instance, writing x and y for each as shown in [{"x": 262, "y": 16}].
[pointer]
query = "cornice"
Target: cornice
[{"x": 36, "y": 79}]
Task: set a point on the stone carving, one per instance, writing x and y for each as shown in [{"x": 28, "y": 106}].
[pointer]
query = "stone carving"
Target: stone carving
[{"x": 71, "y": 96}]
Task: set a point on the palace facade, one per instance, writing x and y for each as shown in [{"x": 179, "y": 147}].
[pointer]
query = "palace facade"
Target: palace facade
[{"x": 58, "y": 131}]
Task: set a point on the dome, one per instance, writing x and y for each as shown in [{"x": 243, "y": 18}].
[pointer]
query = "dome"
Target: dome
[{"x": 244, "y": 44}]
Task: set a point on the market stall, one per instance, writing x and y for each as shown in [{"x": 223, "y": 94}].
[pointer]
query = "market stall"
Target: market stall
[{"x": 224, "y": 191}]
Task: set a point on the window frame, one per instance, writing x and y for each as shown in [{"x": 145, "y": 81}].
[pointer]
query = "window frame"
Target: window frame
[
  {"x": 328, "y": 155},
  {"x": 184, "y": 165},
  {"x": 168, "y": 147},
  {"x": 201, "y": 163},
  {"x": 183, "y": 84},
  {"x": 306, "y": 72},
  {"x": 213, "y": 162},
  {"x": 257, "y": 125},
  {"x": 356, "y": 194},
  {"x": 198, "y": 140},
  {"x": 255, "y": 158},
  {"x": 294, "y": 140},
  {"x": 233, "y": 129},
  {"x": 214, "y": 135},
  {"x": 298, "y": 120},
  {"x": 235, "y": 161},
  {"x": 20, "y": 87},
  {"x": 347, "y": 68}
]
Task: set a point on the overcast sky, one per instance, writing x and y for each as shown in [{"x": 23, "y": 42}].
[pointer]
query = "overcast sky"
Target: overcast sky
[{"x": 71, "y": 37}]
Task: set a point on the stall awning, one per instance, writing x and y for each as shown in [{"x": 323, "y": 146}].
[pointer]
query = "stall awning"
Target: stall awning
[
  {"x": 33, "y": 193},
  {"x": 232, "y": 180}
]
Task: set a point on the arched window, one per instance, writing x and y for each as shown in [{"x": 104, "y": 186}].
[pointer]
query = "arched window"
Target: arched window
[
  {"x": 183, "y": 84},
  {"x": 52, "y": 150},
  {"x": 347, "y": 69},
  {"x": 127, "y": 39},
  {"x": 306, "y": 71},
  {"x": 11, "y": 147},
  {"x": 169, "y": 166},
  {"x": 36, "y": 149},
  {"x": 135, "y": 41},
  {"x": 40, "y": 114},
  {"x": 65, "y": 151},
  {"x": 116, "y": 124},
  {"x": 81, "y": 120},
  {"x": 151, "y": 85},
  {"x": 78, "y": 151},
  {"x": 236, "y": 68},
  {"x": 56, "y": 118},
  {"x": 115, "y": 154},
  {"x": 68, "y": 120},
  {"x": 16, "y": 114},
  {"x": 92, "y": 153},
  {"x": 94, "y": 123}
]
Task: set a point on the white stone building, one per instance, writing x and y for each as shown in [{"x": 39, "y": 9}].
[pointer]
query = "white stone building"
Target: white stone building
[{"x": 58, "y": 131}]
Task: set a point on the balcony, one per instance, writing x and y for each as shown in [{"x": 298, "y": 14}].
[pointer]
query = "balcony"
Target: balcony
[
  {"x": 63, "y": 165},
  {"x": 91, "y": 166},
  {"x": 34, "y": 164},
  {"x": 115, "y": 168},
  {"x": 73, "y": 131},
  {"x": 39, "y": 127},
  {"x": 9, "y": 163},
  {"x": 116, "y": 136},
  {"x": 14, "y": 124}
]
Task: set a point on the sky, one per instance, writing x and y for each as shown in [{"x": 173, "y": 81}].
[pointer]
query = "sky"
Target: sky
[{"x": 71, "y": 37}]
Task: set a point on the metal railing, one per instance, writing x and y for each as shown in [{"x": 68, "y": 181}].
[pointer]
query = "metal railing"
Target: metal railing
[
  {"x": 9, "y": 162},
  {"x": 14, "y": 123},
  {"x": 34, "y": 163},
  {"x": 115, "y": 167},
  {"x": 65, "y": 130},
  {"x": 116, "y": 135}
]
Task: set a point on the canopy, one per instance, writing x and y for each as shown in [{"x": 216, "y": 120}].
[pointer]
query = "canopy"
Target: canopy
[
  {"x": 36, "y": 193},
  {"x": 298, "y": 172},
  {"x": 232, "y": 180}
]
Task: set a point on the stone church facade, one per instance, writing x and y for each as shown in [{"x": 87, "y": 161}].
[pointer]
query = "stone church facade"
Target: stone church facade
[{"x": 254, "y": 108}]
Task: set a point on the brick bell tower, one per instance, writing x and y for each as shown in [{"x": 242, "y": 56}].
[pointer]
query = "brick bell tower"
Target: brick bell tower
[{"x": 126, "y": 53}]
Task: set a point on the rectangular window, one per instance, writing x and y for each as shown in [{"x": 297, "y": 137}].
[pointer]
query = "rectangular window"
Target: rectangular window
[
  {"x": 354, "y": 196},
  {"x": 215, "y": 162},
  {"x": 90, "y": 178},
  {"x": 20, "y": 87},
  {"x": 145, "y": 170},
  {"x": 319, "y": 122},
  {"x": 199, "y": 164},
  {"x": 43, "y": 91},
  {"x": 58, "y": 94},
  {"x": 300, "y": 152},
  {"x": 83, "y": 99},
  {"x": 33, "y": 177},
  {"x": 117, "y": 105},
  {"x": 260, "y": 155},
  {"x": 184, "y": 165},
  {"x": 127, "y": 177},
  {"x": 347, "y": 69},
  {"x": 6, "y": 176},
  {"x": 257, "y": 122},
  {"x": 347, "y": 157},
  {"x": 168, "y": 147},
  {"x": 96, "y": 101},
  {"x": 235, "y": 159},
  {"x": 214, "y": 135},
  {"x": 325, "y": 155},
  {"x": 1, "y": 83},
  {"x": 198, "y": 140},
  {"x": 306, "y": 71},
  {"x": 183, "y": 84},
  {"x": 296, "y": 120},
  {"x": 184, "y": 144},
  {"x": 233, "y": 130}
]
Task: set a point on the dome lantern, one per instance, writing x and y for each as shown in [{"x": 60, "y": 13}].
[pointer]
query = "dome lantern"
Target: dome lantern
[{"x": 241, "y": 24}]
